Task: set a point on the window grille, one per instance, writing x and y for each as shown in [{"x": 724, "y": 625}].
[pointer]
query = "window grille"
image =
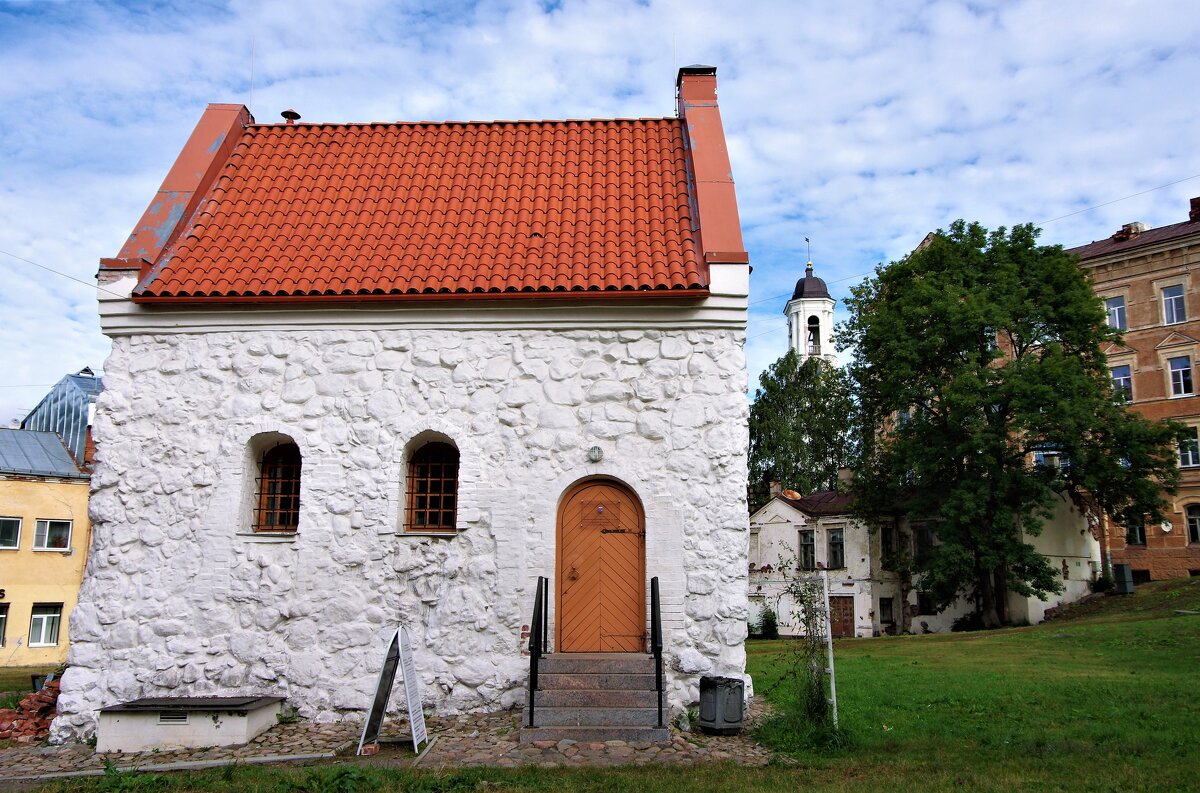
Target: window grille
[
  {"x": 432, "y": 488},
  {"x": 278, "y": 506}
]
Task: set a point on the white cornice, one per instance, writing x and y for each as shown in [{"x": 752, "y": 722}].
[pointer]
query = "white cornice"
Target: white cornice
[{"x": 725, "y": 308}]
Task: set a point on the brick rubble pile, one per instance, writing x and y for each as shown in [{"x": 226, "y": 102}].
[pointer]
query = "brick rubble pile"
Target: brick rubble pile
[{"x": 30, "y": 721}]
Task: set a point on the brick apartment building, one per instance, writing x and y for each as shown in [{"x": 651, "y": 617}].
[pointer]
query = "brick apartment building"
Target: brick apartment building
[{"x": 1144, "y": 277}]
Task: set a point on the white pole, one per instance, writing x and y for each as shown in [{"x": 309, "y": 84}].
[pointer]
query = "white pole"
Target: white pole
[{"x": 829, "y": 645}]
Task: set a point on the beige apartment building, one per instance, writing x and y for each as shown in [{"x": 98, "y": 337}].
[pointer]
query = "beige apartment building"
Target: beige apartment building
[{"x": 1144, "y": 276}]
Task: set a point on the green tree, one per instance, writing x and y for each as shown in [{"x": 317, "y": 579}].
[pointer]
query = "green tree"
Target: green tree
[
  {"x": 800, "y": 427},
  {"x": 978, "y": 362}
]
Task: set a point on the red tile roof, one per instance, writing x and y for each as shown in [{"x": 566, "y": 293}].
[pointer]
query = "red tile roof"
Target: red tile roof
[{"x": 528, "y": 208}]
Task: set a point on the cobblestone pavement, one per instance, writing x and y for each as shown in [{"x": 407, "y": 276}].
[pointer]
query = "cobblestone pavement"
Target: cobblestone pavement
[{"x": 478, "y": 739}]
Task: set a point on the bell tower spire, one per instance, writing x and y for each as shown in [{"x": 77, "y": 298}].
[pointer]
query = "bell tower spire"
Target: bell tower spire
[{"x": 810, "y": 317}]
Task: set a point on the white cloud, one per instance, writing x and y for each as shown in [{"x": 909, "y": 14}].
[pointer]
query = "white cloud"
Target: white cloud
[{"x": 860, "y": 125}]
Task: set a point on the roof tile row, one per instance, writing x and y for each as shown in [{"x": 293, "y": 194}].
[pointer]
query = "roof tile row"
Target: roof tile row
[{"x": 402, "y": 209}]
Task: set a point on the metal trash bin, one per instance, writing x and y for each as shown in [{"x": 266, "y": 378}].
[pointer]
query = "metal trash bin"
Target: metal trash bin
[
  {"x": 1123, "y": 578},
  {"x": 721, "y": 700}
]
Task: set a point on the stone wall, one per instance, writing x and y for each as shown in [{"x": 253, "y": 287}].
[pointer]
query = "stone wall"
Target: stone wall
[{"x": 181, "y": 598}]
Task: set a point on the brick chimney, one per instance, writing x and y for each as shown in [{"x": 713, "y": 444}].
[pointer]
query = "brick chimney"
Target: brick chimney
[
  {"x": 1194, "y": 212},
  {"x": 715, "y": 204}
]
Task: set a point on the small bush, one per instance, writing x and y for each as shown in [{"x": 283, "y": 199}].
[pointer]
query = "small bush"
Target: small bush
[
  {"x": 967, "y": 622},
  {"x": 1103, "y": 584},
  {"x": 768, "y": 622}
]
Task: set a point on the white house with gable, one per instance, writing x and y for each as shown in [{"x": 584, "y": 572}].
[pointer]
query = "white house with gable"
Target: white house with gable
[{"x": 373, "y": 374}]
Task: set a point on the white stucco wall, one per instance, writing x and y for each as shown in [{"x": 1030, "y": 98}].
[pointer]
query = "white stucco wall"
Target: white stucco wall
[
  {"x": 775, "y": 531},
  {"x": 179, "y": 598}
]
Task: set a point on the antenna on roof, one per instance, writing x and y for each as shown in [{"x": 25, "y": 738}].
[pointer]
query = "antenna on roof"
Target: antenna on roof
[{"x": 250, "y": 101}]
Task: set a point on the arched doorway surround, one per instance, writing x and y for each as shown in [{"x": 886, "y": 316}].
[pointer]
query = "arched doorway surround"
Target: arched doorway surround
[{"x": 601, "y": 569}]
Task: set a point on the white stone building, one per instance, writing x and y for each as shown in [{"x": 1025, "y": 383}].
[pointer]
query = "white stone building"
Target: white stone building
[
  {"x": 817, "y": 535},
  {"x": 365, "y": 375}
]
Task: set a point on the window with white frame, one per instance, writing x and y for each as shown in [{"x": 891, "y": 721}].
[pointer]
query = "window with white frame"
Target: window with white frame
[
  {"x": 1122, "y": 380},
  {"x": 52, "y": 535},
  {"x": 1115, "y": 308},
  {"x": 1193, "y": 523},
  {"x": 1181, "y": 375},
  {"x": 1189, "y": 449},
  {"x": 3, "y": 622},
  {"x": 10, "y": 533},
  {"x": 1173, "y": 308},
  {"x": 44, "y": 623}
]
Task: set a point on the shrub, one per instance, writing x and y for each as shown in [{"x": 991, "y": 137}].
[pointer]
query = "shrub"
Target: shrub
[
  {"x": 1103, "y": 584},
  {"x": 768, "y": 622}
]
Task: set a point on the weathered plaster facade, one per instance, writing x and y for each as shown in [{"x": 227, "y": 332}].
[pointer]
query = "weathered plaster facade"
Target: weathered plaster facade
[{"x": 1066, "y": 542}]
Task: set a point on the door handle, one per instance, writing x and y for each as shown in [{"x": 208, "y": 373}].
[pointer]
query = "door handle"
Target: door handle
[{"x": 573, "y": 575}]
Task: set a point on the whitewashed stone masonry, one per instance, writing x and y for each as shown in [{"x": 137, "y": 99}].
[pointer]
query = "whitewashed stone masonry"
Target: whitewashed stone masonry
[{"x": 179, "y": 598}]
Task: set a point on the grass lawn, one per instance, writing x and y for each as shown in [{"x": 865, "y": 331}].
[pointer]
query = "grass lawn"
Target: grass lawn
[
  {"x": 15, "y": 683},
  {"x": 1105, "y": 701}
]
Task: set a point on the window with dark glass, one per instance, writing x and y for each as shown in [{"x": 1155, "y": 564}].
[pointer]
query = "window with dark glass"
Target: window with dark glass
[
  {"x": 1189, "y": 449},
  {"x": 891, "y": 543},
  {"x": 1115, "y": 308},
  {"x": 922, "y": 543},
  {"x": 432, "y": 488},
  {"x": 1173, "y": 308},
  {"x": 1193, "y": 523},
  {"x": 52, "y": 535},
  {"x": 886, "y": 612},
  {"x": 10, "y": 533},
  {"x": 278, "y": 505},
  {"x": 1122, "y": 380},
  {"x": 925, "y": 603},
  {"x": 3, "y": 622},
  {"x": 808, "y": 550},
  {"x": 1135, "y": 530},
  {"x": 1181, "y": 375},
  {"x": 837, "y": 549}
]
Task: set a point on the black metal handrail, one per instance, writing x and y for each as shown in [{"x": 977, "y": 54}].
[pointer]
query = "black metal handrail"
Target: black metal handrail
[
  {"x": 538, "y": 637},
  {"x": 656, "y": 643}
]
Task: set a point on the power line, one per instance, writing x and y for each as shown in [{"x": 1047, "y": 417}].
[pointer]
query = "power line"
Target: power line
[
  {"x": 64, "y": 275},
  {"x": 29, "y": 385}
]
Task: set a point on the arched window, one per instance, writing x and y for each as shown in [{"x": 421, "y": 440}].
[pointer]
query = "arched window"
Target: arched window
[
  {"x": 1193, "y": 523},
  {"x": 278, "y": 503},
  {"x": 814, "y": 336},
  {"x": 432, "y": 488}
]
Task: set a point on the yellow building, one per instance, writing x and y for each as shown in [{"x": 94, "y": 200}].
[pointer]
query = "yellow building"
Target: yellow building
[{"x": 44, "y": 538}]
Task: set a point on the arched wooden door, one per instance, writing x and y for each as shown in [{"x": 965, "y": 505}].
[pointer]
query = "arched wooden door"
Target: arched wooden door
[{"x": 601, "y": 570}]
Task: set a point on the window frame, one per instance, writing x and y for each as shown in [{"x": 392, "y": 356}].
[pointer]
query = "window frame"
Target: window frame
[
  {"x": 278, "y": 490},
  {"x": 924, "y": 598},
  {"x": 3, "y": 622},
  {"x": 1191, "y": 448},
  {"x": 1135, "y": 527},
  {"x": 1176, "y": 314},
  {"x": 17, "y": 541},
  {"x": 840, "y": 531},
  {"x": 44, "y": 535},
  {"x": 924, "y": 549},
  {"x": 887, "y": 616},
  {"x": 1122, "y": 386},
  {"x": 412, "y": 509},
  {"x": 1191, "y": 518},
  {"x": 807, "y": 557},
  {"x": 1119, "y": 311},
  {"x": 44, "y": 620},
  {"x": 1185, "y": 377}
]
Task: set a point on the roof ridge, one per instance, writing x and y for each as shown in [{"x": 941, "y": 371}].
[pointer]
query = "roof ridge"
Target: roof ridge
[{"x": 458, "y": 122}]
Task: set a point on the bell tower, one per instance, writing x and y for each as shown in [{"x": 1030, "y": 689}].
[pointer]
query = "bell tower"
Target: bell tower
[{"x": 810, "y": 318}]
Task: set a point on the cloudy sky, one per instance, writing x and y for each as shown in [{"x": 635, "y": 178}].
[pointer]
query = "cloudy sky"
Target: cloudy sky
[{"x": 861, "y": 125}]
